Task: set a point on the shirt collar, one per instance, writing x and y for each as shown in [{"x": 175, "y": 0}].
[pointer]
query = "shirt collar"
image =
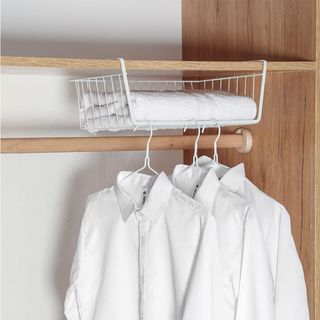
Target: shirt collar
[
  {"x": 208, "y": 189},
  {"x": 232, "y": 178},
  {"x": 130, "y": 190},
  {"x": 187, "y": 178},
  {"x": 204, "y": 161},
  {"x": 197, "y": 183}
]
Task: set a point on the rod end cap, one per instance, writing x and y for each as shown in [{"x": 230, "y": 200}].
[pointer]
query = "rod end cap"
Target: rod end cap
[{"x": 247, "y": 140}]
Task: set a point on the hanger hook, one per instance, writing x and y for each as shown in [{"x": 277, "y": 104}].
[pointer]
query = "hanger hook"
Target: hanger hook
[
  {"x": 147, "y": 158},
  {"x": 185, "y": 128},
  {"x": 215, "y": 145},
  {"x": 195, "y": 155},
  {"x": 148, "y": 144},
  {"x": 204, "y": 127}
]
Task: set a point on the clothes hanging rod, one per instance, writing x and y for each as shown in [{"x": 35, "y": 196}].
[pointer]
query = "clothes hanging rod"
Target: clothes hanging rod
[
  {"x": 68, "y": 63},
  {"x": 242, "y": 141}
]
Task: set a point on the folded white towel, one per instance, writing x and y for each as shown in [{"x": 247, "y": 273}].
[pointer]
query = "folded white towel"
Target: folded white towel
[
  {"x": 88, "y": 99},
  {"x": 191, "y": 105},
  {"x": 105, "y": 111},
  {"x": 111, "y": 122},
  {"x": 115, "y": 103},
  {"x": 171, "y": 106}
]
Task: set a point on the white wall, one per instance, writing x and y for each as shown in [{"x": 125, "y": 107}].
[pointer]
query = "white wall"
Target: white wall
[
  {"x": 43, "y": 195},
  {"x": 95, "y": 28}
]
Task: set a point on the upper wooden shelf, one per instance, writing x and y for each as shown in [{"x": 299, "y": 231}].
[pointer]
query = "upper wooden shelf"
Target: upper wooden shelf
[{"x": 66, "y": 63}]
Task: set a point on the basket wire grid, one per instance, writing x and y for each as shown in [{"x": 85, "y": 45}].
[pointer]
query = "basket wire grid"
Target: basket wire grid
[{"x": 105, "y": 102}]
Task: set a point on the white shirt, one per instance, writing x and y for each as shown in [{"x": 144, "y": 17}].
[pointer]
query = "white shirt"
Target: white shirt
[
  {"x": 145, "y": 251},
  {"x": 246, "y": 274},
  {"x": 290, "y": 295}
]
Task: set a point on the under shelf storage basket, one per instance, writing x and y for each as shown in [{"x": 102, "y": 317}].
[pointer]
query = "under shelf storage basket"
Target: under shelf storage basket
[{"x": 107, "y": 102}]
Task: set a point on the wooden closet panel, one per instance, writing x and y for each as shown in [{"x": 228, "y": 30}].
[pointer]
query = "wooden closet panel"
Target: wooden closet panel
[
  {"x": 282, "y": 160},
  {"x": 248, "y": 29},
  {"x": 317, "y": 164}
]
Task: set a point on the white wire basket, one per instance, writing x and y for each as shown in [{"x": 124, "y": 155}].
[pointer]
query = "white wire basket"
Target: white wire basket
[{"x": 111, "y": 102}]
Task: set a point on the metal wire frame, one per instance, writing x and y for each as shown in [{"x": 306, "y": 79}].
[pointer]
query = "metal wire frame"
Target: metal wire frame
[{"x": 99, "y": 89}]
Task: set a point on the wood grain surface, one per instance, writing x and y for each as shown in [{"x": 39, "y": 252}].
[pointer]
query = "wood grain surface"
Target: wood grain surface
[
  {"x": 122, "y": 143},
  {"x": 282, "y": 161},
  {"x": 65, "y": 63},
  {"x": 317, "y": 165}
]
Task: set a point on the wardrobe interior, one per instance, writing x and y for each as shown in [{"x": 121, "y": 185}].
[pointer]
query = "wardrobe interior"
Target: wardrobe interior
[{"x": 44, "y": 193}]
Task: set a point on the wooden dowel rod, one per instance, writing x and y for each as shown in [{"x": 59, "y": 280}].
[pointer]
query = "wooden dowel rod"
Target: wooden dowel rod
[
  {"x": 124, "y": 143},
  {"x": 155, "y": 64}
]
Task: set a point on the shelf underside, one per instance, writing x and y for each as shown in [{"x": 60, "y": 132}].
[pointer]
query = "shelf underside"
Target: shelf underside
[{"x": 160, "y": 65}]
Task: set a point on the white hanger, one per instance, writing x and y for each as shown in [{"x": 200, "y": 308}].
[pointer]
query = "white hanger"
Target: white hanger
[
  {"x": 215, "y": 147},
  {"x": 195, "y": 154},
  {"x": 147, "y": 158},
  {"x": 219, "y": 168}
]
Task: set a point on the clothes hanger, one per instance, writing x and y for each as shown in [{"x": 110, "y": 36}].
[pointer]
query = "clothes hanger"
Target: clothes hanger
[
  {"x": 195, "y": 153},
  {"x": 219, "y": 168},
  {"x": 215, "y": 157},
  {"x": 146, "y": 165},
  {"x": 147, "y": 158},
  {"x": 194, "y": 171}
]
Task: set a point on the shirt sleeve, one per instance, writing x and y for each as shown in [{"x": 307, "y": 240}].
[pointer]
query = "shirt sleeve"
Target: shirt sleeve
[
  {"x": 72, "y": 305},
  {"x": 255, "y": 288},
  {"x": 290, "y": 290}
]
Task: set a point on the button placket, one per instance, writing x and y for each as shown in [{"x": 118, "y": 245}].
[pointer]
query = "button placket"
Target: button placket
[{"x": 143, "y": 227}]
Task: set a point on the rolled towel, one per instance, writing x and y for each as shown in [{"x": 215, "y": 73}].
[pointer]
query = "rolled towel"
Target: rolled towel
[
  {"x": 114, "y": 102},
  {"x": 88, "y": 99},
  {"x": 111, "y": 122},
  {"x": 191, "y": 105},
  {"x": 105, "y": 110},
  {"x": 170, "y": 106}
]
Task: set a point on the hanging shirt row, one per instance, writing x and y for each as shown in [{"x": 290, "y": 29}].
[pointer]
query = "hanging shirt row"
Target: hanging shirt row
[{"x": 204, "y": 243}]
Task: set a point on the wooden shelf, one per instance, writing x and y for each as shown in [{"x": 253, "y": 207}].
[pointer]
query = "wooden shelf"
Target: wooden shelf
[{"x": 163, "y": 65}]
